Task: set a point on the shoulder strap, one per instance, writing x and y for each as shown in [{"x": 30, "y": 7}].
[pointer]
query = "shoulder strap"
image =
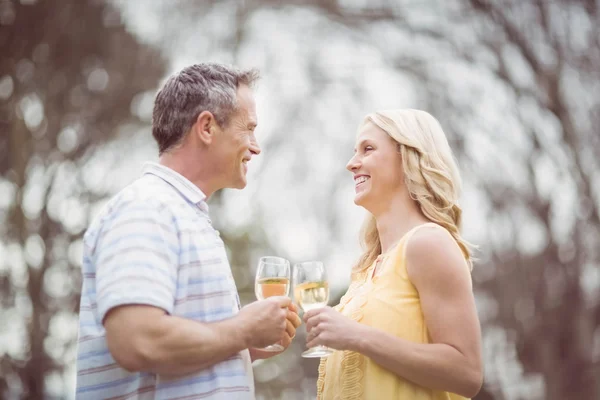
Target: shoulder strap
[{"x": 410, "y": 233}]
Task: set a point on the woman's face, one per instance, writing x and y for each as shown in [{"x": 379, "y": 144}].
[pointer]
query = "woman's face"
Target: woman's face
[{"x": 376, "y": 167}]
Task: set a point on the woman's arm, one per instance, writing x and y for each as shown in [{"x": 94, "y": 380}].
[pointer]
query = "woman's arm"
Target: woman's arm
[{"x": 452, "y": 362}]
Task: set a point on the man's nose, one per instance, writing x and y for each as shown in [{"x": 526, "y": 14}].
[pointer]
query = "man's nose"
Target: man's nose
[{"x": 254, "y": 147}]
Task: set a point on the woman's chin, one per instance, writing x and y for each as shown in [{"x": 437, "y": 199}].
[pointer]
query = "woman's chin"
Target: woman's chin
[{"x": 359, "y": 199}]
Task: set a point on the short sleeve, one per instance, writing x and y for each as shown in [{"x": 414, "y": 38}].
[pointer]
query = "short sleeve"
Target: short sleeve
[{"x": 136, "y": 258}]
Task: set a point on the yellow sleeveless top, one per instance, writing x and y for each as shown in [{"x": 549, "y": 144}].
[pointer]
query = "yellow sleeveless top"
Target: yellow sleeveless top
[{"x": 390, "y": 302}]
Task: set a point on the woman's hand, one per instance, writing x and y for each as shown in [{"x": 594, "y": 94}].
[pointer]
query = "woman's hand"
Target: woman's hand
[{"x": 327, "y": 327}]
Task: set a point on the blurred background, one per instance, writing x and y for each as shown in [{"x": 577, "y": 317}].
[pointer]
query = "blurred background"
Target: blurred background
[{"x": 515, "y": 84}]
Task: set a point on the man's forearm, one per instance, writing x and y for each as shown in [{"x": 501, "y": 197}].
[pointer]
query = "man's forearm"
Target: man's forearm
[
  {"x": 178, "y": 346},
  {"x": 145, "y": 338}
]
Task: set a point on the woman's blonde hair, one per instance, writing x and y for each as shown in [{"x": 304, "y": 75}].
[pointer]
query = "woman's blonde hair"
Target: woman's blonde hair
[{"x": 430, "y": 175}]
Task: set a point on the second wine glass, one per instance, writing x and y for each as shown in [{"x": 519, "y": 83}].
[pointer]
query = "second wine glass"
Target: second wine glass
[
  {"x": 311, "y": 291},
  {"x": 272, "y": 279}
]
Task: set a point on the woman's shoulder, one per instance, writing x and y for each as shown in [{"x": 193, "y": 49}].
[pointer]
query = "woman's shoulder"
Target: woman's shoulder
[
  {"x": 428, "y": 234},
  {"x": 431, "y": 249}
]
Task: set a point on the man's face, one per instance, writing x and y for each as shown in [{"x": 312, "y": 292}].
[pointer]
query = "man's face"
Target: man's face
[{"x": 236, "y": 144}]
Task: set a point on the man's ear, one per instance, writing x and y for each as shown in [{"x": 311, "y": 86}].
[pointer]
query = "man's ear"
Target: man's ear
[{"x": 205, "y": 127}]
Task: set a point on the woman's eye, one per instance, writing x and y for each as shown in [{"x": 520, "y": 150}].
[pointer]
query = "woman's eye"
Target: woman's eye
[{"x": 368, "y": 148}]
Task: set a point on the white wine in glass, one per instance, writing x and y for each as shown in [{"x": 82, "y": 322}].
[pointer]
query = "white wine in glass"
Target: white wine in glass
[
  {"x": 311, "y": 291},
  {"x": 272, "y": 279},
  {"x": 312, "y": 295}
]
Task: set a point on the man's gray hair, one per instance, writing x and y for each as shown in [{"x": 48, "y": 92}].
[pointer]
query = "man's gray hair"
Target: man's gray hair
[{"x": 200, "y": 87}]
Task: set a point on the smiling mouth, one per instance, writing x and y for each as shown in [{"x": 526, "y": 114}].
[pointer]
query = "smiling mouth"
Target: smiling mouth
[
  {"x": 360, "y": 180},
  {"x": 245, "y": 164}
]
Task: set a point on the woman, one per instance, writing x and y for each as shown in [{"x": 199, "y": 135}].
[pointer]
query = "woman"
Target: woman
[{"x": 407, "y": 327}]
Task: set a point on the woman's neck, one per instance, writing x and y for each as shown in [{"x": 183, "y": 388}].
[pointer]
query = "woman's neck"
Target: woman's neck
[{"x": 395, "y": 221}]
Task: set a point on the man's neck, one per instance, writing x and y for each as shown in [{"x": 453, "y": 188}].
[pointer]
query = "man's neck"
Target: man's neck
[{"x": 190, "y": 168}]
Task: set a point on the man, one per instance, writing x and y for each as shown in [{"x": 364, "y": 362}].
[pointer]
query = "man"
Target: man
[{"x": 160, "y": 316}]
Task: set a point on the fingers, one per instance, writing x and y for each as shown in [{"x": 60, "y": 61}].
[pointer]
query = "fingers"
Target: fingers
[
  {"x": 311, "y": 323},
  {"x": 282, "y": 312},
  {"x": 281, "y": 319},
  {"x": 294, "y": 318},
  {"x": 281, "y": 301},
  {"x": 314, "y": 333},
  {"x": 309, "y": 314},
  {"x": 314, "y": 321},
  {"x": 286, "y": 341},
  {"x": 294, "y": 308},
  {"x": 313, "y": 340},
  {"x": 289, "y": 333},
  {"x": 290, "y": 329}
]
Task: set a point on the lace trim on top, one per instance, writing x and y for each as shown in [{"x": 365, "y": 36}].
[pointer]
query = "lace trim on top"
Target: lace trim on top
[{"x": 351, "y": 368}]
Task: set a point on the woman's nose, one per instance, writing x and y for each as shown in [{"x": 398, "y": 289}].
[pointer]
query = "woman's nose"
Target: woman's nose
[{"x": 353, "y": 164}]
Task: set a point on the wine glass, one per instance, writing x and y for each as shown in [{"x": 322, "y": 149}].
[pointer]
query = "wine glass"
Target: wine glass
[
  {"x": 311, "y": 291},
  {"x": 272, "y": 279}
]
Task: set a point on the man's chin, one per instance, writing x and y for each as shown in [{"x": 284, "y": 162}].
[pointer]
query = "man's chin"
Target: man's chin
[{"x": 240, "y": 184}]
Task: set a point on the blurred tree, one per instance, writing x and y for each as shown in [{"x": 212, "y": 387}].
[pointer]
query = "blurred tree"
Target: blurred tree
[
  {"x": 547, "y": 56},
  {"x": 70, "y": 77}
]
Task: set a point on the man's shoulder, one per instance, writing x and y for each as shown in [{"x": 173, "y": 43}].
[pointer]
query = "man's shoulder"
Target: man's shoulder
[
  {"x": 143, "y": 192},
  {"x": 148, "y": 194}
]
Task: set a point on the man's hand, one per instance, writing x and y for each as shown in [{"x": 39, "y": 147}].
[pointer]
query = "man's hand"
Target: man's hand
[
  {"x": 292, "y": 323},
  {"x": 264, "y": 321}
]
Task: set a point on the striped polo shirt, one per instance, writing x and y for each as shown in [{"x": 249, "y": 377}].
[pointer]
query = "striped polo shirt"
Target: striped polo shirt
[{"x": 154, "y": 244}]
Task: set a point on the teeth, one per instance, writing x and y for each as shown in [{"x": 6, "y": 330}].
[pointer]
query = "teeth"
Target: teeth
[{"x": 361, "y": 179}]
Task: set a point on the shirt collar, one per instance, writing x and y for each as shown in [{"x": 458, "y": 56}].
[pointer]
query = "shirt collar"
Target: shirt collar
[{"x": 187, "y": 189}]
